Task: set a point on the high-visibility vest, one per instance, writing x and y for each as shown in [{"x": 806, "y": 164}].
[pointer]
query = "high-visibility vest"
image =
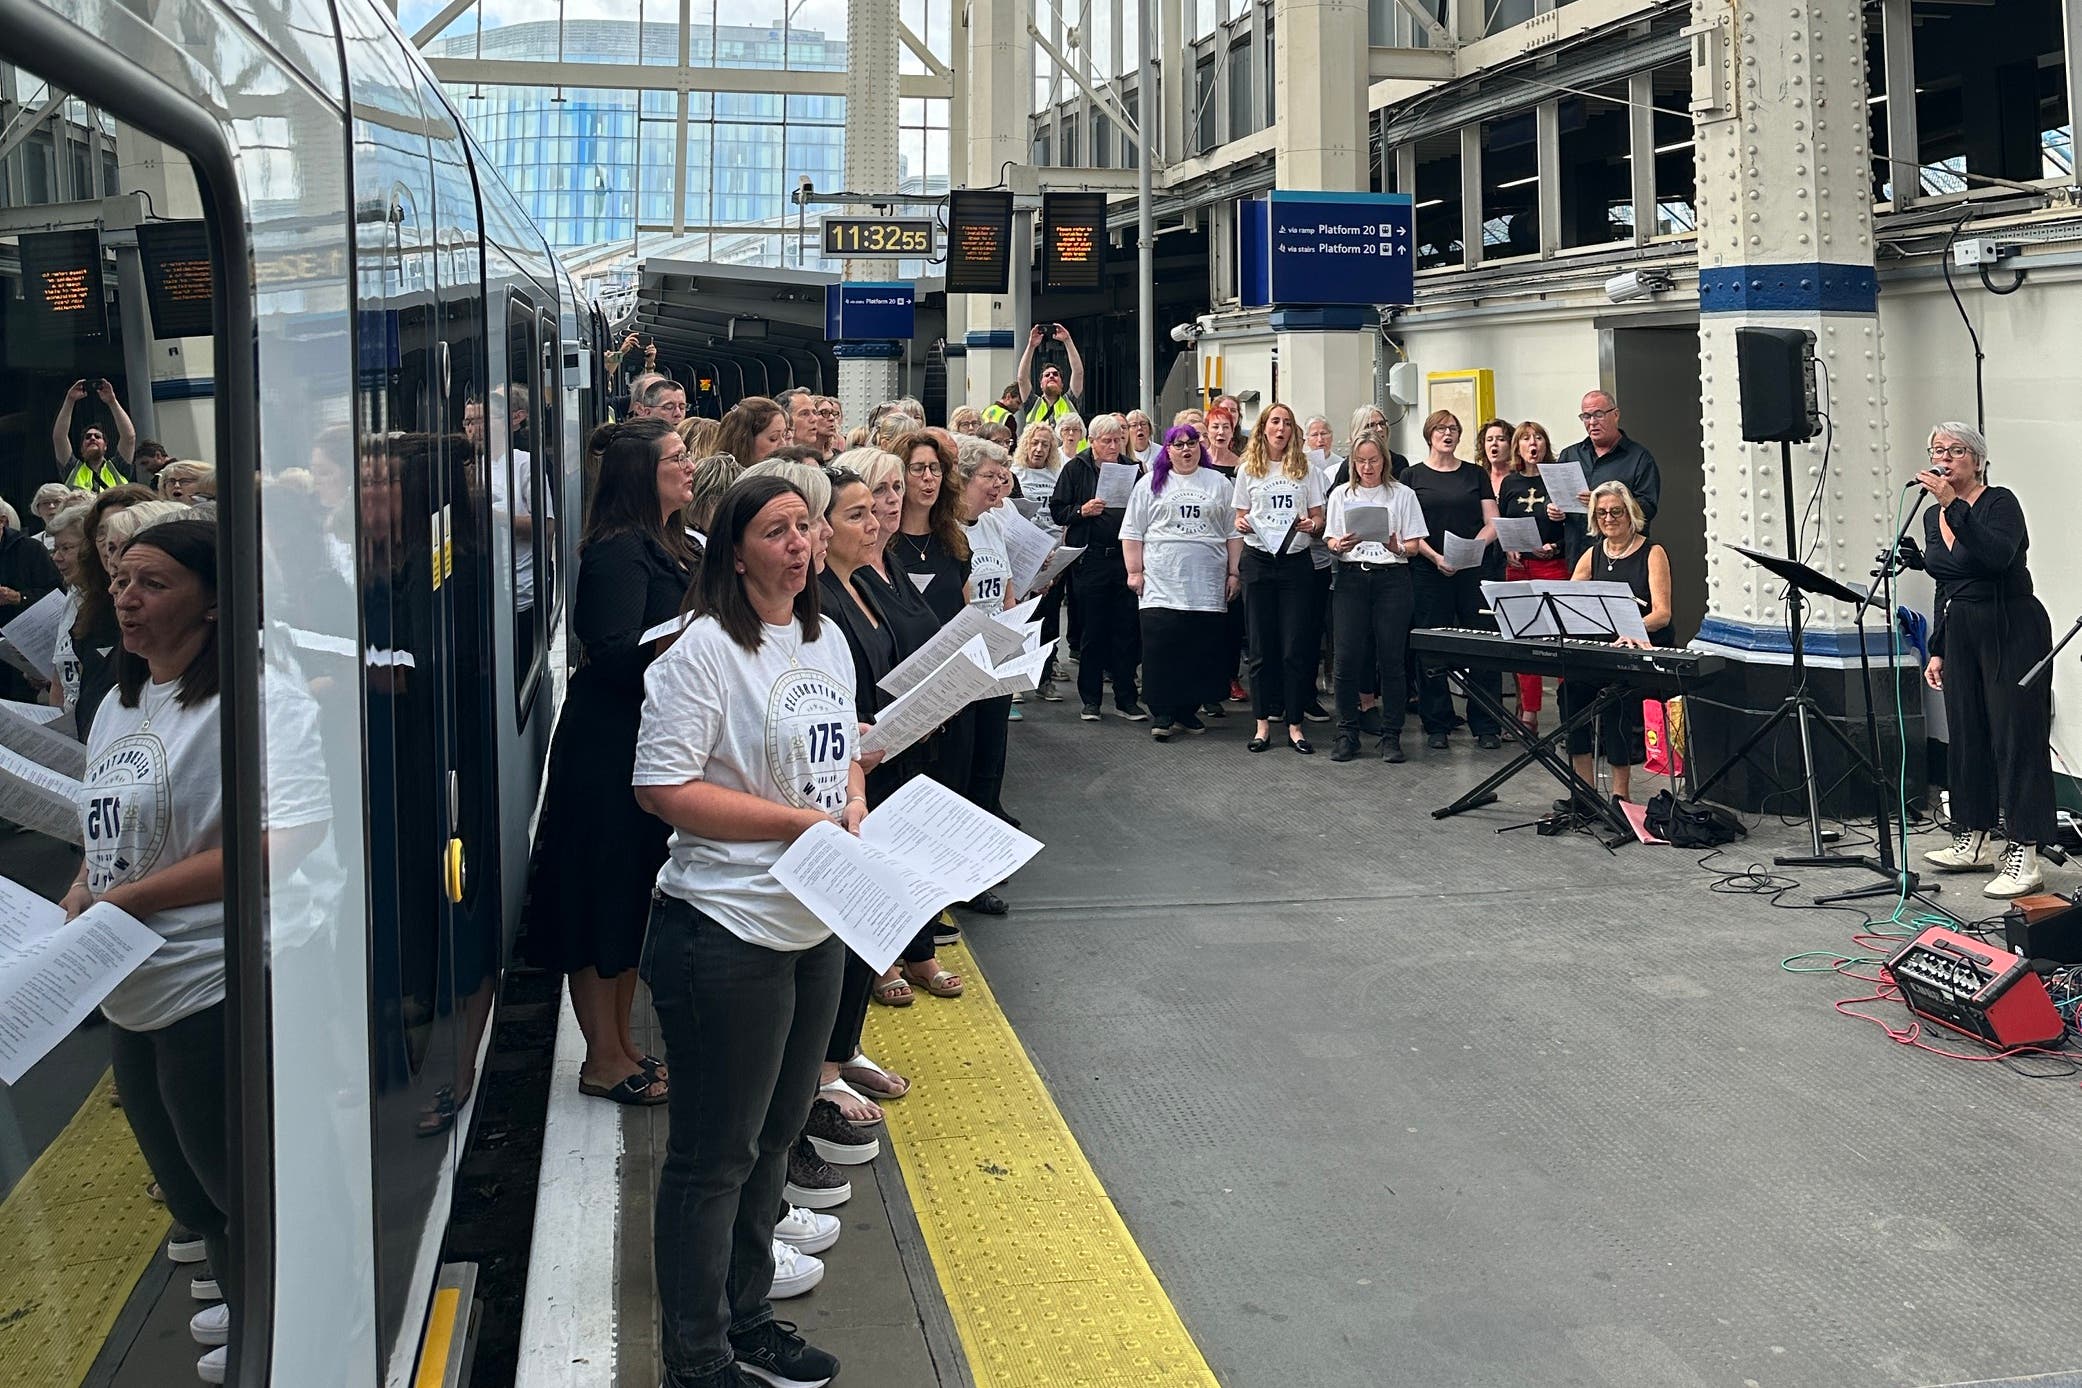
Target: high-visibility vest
[
  {"x": 995, "y": 413},
  {"x": 1043, "y": 412},
  {"x": 89, "y": 479}
]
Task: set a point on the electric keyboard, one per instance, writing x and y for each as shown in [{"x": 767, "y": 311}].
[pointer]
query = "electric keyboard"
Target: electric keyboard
[{"x": 1660, "y": 670}]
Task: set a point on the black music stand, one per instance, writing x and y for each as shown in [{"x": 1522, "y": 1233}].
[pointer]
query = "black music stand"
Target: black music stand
[{"x": 1799, "y": 704}]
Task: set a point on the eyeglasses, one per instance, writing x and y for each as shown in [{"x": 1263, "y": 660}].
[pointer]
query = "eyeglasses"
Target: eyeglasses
[
  {"x": 1613, "y": 513},
  {"x": 1588, "y": 416},
  {"x": 995, "y": 476},
  {"x": 922, "y": 469},
  {"x": 1956, "y": 450}
]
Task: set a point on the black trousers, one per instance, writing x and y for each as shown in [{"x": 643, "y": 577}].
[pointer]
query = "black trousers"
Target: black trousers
[
  {"x": 1050, "y": 615},
  {"x": 172, "y": 1082},
  {"x": 1282, "y": 597},
  {"x": 1112, "y": 644},
  {"x": 1997, "y": 761},
  {"x": 1373, "y": 609},
  {"x": 1322, "y": 637},
  {"x": 986, "y": 782},
  {"x": 1449, "y": 600}
]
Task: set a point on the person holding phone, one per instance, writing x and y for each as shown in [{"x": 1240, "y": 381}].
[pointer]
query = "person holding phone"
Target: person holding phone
[
  {"x": 1047, "y": 400},
  {"x": 93, "y": 465}
]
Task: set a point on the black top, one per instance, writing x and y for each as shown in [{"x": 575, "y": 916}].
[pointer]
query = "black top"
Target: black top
[
  {"x": 906, "y": 624},
  {"x": 928, "y": 555},
  {"x": 901, "y": 607},
  {"x": 1100, "y": 535},
  {"x": 1524, "y": 494},
  {"x": 873, "y": 645},
  {"x": 1451, "y": 500},
  {"x": 1628, "y": 462},
  {"x": 1987, "y": 562},
  {"x": 1632, "y": 570},
  {"x": 627, "y": 584},
  {"x": 26, "y": 567}
]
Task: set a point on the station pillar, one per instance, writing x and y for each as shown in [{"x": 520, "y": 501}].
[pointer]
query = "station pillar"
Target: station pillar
[
  {"x": 1000, "y": 80},
  {"x": 173, "y": 401},
  {"x": 1784, "y": 208},
  {"x": 870, "y": 372}
]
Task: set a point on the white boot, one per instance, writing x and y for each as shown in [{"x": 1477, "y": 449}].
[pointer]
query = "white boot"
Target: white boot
[
  {"x": 1970, "y": 852},
  {"x": 2020, "y": 872}
]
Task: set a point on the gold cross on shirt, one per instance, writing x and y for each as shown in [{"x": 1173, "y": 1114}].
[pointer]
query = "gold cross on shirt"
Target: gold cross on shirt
[{"x": 1532, "y": 499}]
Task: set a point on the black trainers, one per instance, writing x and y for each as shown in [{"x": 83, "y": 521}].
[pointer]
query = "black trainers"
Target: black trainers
[
  {"x": 1191, "y": 723},
  {"x": 1162, "y": 731},
  {"x": 774, "y": 1354},
  {"x": 813, "y": 1183},
  {"x": 1214, "y": 710},
  {"x": 1347, "y": 748},
  {"x": 1134, "y": 712},
  {"x": 1489, "y": 742},
  {"x": 729, "y": 1376},
  {"x": 1436, "y": 741},
  {"x": 1089, "y": 713},
  {"x": 1315, "y": 713},
  {"x": 989, "y": 903},
  {"x": 1370, "y": 721},
  {"x": 1391, "y": 747},
  {"x": 836, "y": 1140},
  {"x": 945, "y": 931}
]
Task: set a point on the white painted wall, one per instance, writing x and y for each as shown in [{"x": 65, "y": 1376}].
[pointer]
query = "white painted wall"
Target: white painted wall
[{"x": 1544, "y": 362}]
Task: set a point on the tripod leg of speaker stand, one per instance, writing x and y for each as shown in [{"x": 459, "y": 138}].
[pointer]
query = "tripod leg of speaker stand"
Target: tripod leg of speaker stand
[{"x": 1861, "y": 765}]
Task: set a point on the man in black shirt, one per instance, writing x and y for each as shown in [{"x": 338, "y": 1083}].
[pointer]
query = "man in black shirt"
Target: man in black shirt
[
  {"x": 1110, "y": 642},
  {"x": 1606, "y": 454}
]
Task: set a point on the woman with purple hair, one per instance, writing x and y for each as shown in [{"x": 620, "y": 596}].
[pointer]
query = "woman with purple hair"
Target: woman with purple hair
[{"x": 1182, "y": 550}]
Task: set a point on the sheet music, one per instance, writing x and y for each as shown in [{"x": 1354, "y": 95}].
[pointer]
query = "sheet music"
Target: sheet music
[
  {"x": 1364, "y": 523},
  {"x": 1020, "y": 615},
  {"x": 1519, "y": 611},
  {"x": 1463, "y": 553},
  {"x": 1564, "y": 481},
  {"x": 1592, "y": 610},
  {"x": 53, "y": 972},
  {"x": 970, "y": 621},
  {"x": 35, "y": 632},
  {"x": 1057, "y": 562},
  {"x": 1518, "y": 534},
  {"x": 1007, "y": 639},
  {"x": 950, "y": 687},
  {"x": 1021, "y": 674},
  {"x": 31, "y": 670},
  {"x": 35, "y": 713},
  {"x": 42, "y": 744},
  {"x": 1274, "y": 528},
  {"x": 672, "y": 627},
  {"x": 1117, "y": 484},
  {"x": 39, "y": 798},
  {"x": 923, "y": 849},
  {"x": 1027, "y": 547}
]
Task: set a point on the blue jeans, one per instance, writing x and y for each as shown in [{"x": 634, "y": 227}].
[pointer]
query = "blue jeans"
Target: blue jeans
[{"x": 745, "y": 1027}]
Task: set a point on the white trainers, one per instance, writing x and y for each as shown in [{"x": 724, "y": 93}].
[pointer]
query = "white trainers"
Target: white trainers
[
  {"x": 211, "y": 1325},
  {"x": 794, "y": 1272},
  {"x": 2020, "y": 872},
  {"x": 1970, "y": 852},
  {"x": 185, "y": 1246},
  {"x": 210, "y": 1368},
  {"x": 807, "y": 1231}
]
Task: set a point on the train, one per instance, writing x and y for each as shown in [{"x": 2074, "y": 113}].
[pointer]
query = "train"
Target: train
[{"x": 402, "y": 378}]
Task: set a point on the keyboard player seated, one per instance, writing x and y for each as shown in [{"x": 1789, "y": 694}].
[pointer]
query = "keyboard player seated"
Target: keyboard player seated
[{"x": 1621, "y": 554}]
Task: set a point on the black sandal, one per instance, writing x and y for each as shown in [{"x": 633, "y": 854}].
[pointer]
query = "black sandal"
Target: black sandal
[
  {"x": 634, "y": 1090},
  {"x": 651, "y": 1065}
]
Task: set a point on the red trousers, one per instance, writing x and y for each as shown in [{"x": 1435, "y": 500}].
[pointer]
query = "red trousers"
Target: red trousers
[{"x": 1532, "y": 566}]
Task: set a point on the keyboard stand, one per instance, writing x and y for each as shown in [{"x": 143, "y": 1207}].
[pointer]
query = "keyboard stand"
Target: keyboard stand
[{"x": 1542, "y": 749}]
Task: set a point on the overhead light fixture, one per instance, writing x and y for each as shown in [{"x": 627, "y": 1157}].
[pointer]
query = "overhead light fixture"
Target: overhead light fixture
[
  {"x": 1672, "y": 149},
  {"x": 1519, "y": 182},
  {"x": 1429, "y": 202}
]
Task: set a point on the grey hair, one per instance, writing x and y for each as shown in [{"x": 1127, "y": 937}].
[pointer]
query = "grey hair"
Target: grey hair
[
  {"x": 1624, "y": 493},
  {"x": 72, "y": 517},
  {"x": 1134, "y": 415},
  {"x": 1976, "y": 442},
  {"x": 807, "y": 478},
  {"x": 1071, "y": 418},
  {"x": 10, "y": 515},
  {"x": 1312, "y": 421},
  {"x": 712, "y": 477},
  {"x": 1104, "y": 424},
  {"x": 654, "y": 394},
  {"x": 974, "y": 453},
  {"x": 1362, "y": 420}
]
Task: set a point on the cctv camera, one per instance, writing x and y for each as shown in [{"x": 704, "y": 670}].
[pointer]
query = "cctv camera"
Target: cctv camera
[{"x": 1185, "y": 332}]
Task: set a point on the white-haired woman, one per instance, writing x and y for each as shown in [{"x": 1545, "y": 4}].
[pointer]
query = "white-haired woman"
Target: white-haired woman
[
  {"x": 1069, "y": 435},
  {"x": 1990, "y": 629}
]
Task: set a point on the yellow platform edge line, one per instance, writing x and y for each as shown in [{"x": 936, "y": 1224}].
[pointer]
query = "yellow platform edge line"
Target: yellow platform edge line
[
  {"x": 1006, "y": 1243},
  {"x": 76, "y": 1234},
  {"x": 440, "y": 1335}
]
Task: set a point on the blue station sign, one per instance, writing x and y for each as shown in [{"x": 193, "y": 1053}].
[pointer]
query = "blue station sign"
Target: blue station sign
[
  {"x": 869, "y": 312},
  {"x": 1326, "y": 248}
]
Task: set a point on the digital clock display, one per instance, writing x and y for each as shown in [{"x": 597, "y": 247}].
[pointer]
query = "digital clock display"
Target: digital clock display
[{"x": 905, "y": 236}]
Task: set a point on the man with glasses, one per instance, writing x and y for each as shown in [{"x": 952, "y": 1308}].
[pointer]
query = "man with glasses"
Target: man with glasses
[
  {"x": 665, "y": 399},
  {"x": 1606, "y": 454}
]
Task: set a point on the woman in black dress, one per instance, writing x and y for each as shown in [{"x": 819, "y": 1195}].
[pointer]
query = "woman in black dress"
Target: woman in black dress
[
  {"x": 1622, "y": 554},
  {"x": 1990, "y": 629},
  {"x": 1457, "y": 499},
  {"x": 597, "y": 854}
]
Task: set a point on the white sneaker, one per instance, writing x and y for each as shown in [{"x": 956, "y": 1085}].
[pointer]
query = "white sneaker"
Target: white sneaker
[
  {"x": 211, "y": 1325},
  {"x": 186, "y": 1246},
  {"x": 210, "y": 1368},
  {"x": 1970, "y": 852},
  {"x": 794, "y": 1273},
  {"x": 807, "y": 1231},
  {"x": 2020, "y": 872},
  {"x": 1019, "y": 698}
]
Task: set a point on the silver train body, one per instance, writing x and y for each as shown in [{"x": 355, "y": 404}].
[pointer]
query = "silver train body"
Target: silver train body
[{"x": 374, "y": 278}]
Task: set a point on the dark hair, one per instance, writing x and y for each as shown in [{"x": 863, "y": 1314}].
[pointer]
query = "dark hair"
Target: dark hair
[
  {"x": 625, "y": 496},
  {"x": 1160, "y": 469},
  {"x": 193, "y": 545},
  {"x": 96, "y": 607},
  {"x": 742, "y": 426},
  {"x": 944, "y": 520},
  {"x": 796, "y": 453},
  {"x": 654, "y": 394},
  {"x": 1509, "y": 433},
  {"x": 148, "y": 448},
  {"x": 720, "y": 590}
]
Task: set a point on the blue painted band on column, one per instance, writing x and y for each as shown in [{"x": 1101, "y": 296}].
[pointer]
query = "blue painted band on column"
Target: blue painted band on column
[
  {"x": 1329, "y": 319},
  {"x": 996, "y": 338},
  {"x": 1810, "y": 288},
  {"x": 185, "y": 388},
  {"x": 867, "y": 351},
  {"x": 1771, "y": 638}
]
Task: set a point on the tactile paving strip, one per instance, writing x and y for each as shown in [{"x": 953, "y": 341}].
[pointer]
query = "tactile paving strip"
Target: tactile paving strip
[
  {"x": 75, "y": 1235},
  {"x": 1045, "y": 1283}
]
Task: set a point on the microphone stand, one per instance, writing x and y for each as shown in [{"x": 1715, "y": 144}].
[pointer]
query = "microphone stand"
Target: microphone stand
[
  {"x": 2033, "y": 675},
  {"x": 1900, "y": 879}
]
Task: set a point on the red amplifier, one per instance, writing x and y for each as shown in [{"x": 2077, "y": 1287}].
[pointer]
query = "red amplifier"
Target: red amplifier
[{"x": 1977, "y": 990}]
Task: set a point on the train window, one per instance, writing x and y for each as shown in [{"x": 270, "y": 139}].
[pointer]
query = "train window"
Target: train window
[
  {"x": 513, "y": 490},
  {"x": 549, "y": 454}
]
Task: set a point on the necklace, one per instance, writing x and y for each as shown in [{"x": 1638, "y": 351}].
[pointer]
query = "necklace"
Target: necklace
[
  {"x": 165, "y": 701},
  {"x": 919, "y": 544}
]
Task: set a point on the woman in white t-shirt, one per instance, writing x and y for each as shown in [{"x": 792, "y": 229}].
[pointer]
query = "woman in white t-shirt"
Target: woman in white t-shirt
[
  {"x": 152, "y": 827},
  {"x": 1037, "y": 464},
  {"x": 1069, "y": 435},
  {"x": 749, "y": 737},
  {"x": 1181, "y": 548},
  {"x": 67, "y": 532},
  {"x": 1279, "y": 504},
  {"x": 984, "y": 474},
  {"x": 1374, "y": 603}
]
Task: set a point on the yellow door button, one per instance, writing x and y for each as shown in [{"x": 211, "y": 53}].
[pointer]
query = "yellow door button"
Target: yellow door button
[{"x": 454, "y": 870}]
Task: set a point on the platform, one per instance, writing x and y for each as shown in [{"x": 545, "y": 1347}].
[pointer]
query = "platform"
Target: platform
[{"x": 1388, "y": 1100}]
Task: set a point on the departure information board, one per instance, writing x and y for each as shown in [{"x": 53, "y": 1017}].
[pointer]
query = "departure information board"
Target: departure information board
[
  {"x": 1073, "y": 241},
  {"x": 979, "y": 241},
  {"x": 179, "y": 283},
  {"x": 865, "y": 236},
  {"x": 61, "y": 278}
]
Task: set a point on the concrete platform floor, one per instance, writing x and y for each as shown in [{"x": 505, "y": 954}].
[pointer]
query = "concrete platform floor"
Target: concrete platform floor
[{"x": 1390, "y": 1100}]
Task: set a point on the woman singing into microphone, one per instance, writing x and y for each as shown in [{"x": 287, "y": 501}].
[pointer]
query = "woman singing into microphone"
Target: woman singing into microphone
[{"x": 1988, "y": 631}]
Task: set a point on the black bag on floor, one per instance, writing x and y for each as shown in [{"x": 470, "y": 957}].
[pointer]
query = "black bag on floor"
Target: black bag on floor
[{"x": 1692, "y": 823}]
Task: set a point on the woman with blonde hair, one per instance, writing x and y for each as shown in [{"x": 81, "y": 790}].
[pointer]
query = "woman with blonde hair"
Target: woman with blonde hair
[
  {"x": 187, "y": 481},
  {"x": 1037, "y": 465},
  {"x": 1524, "y": 495},
  {"x": 753, "y": 430},
  {"x": 1620, "y": 554},
  {"x": 699, "y": 433},
  {"x": 1278, "y": 499}
]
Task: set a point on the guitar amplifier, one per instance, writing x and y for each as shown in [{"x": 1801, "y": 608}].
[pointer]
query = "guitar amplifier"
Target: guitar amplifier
[
  {"x": 1977, "y": 990},
  {"x": 2044, "y": 927}
]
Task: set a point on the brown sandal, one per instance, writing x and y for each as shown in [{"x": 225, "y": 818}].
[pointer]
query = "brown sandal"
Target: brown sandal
[
  {"x": 891, "y": 992},
  {"x": 941, "y": 983}
]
